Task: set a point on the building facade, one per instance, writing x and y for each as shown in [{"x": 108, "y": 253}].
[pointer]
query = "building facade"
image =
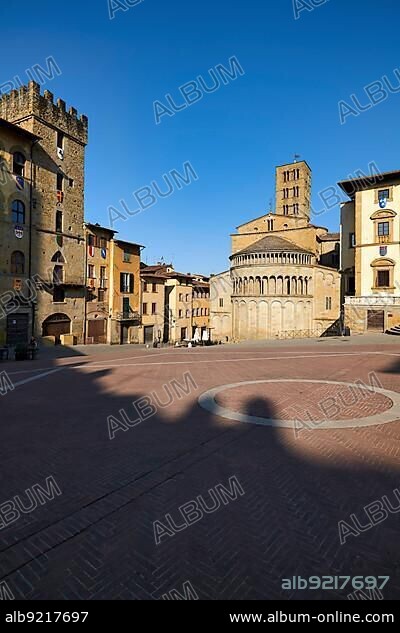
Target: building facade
[
  {"x": 153, "y": 304},
  {"x": 201, "y": 308},
  {"x": 187, "y": 307},
  {"x": 178, "y": 307},
  {"x": 284, "y": 269},
  {"x": 370, "y": 252},
  {"x": 221, "y": 291},
  {"x": 98, "y": 273},
  {"x": 176, "y": 303},
  {"x": 112, "y": 288},
  {"x": 45, "y": 211},
  {"x": 17, "y": 293},
  {"x": 125, "y": 293}
]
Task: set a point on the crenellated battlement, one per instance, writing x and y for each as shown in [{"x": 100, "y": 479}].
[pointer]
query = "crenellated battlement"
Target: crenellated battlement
[{"x": 28, "y": 102}]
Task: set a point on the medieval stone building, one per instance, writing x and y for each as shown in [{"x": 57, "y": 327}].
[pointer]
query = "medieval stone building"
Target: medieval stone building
[
  {"x": 284, "y": 270},
  {"x": 42, "y": 215}
]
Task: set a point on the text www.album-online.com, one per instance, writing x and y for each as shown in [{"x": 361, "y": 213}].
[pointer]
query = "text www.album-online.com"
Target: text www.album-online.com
[{"x": 322, "y": 618}]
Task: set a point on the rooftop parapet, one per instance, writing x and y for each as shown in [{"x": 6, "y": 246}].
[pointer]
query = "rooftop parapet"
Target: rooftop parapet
[{"x": 28, "y": 102}]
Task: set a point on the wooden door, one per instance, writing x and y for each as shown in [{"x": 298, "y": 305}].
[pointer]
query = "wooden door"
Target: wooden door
[{"x": 376, "y": 320}]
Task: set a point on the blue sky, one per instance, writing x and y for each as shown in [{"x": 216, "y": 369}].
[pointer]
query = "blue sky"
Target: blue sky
[{"x": 295, "y": 74}]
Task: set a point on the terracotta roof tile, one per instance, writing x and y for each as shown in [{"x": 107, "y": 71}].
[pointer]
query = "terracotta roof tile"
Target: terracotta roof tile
[{"x": 272, "y": 243}]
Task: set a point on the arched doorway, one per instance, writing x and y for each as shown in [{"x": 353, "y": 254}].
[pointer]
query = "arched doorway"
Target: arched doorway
[{"x": 55, "y": 325}]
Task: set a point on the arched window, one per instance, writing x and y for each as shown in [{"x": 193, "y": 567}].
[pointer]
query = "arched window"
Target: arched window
[
  {"x": 18, "y": 164},
  {"x": 58, "y": 257},
  {"x": 18, "y": 212},
  {"x": 58, "y": 275},
  {"x": 3, "y": 169},
  {"x": 17, "y": 263}
]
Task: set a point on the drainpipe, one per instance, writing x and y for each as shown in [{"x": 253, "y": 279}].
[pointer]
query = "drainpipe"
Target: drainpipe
[
  {"x": 85, "y": 286},
  {"x": 140, "y": 306},
  {"x": 30, "y": 233}
]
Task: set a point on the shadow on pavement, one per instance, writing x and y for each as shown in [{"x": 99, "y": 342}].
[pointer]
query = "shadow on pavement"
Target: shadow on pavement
[{"x": 97, "y": 539}]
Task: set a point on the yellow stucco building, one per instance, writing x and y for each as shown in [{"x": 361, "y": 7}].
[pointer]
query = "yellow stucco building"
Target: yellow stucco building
[
  {"x": 174, "y": 302},
  {"x": 153, "y": 304},
  {"x": 187, "y": 303},
  {"x": 113, "y": 289},
  {"x": 98, "y": 269},
  {"x": 370, "y": 252},
  {"x": 125, "y": 292}
]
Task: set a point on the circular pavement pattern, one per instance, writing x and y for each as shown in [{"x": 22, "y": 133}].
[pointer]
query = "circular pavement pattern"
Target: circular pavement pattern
[{"x": 300, "y": 403}]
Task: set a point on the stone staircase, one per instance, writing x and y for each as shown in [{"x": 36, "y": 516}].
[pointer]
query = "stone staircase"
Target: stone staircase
[{"x": 394, "y": 330}]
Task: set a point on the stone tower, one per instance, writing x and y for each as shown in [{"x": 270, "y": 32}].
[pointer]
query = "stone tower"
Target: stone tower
[
  {"x": 293, "y": 190},
  {"x": 55, "y": 216}
]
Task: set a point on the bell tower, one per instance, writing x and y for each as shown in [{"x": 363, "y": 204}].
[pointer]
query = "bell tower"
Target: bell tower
[{"x": 293, "y": 190}]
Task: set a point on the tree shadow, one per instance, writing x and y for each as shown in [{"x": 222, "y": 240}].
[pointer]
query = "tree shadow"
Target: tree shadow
[{"x": 98, "y": 539}]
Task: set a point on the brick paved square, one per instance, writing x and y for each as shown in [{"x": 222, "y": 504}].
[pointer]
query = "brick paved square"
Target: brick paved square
[{"x": 153, "y": 489}]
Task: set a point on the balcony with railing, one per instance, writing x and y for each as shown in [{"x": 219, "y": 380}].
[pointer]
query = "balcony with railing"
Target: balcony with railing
[
  {"x": 129, "y": 315},
  {"x": 65, "y": 279}
]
